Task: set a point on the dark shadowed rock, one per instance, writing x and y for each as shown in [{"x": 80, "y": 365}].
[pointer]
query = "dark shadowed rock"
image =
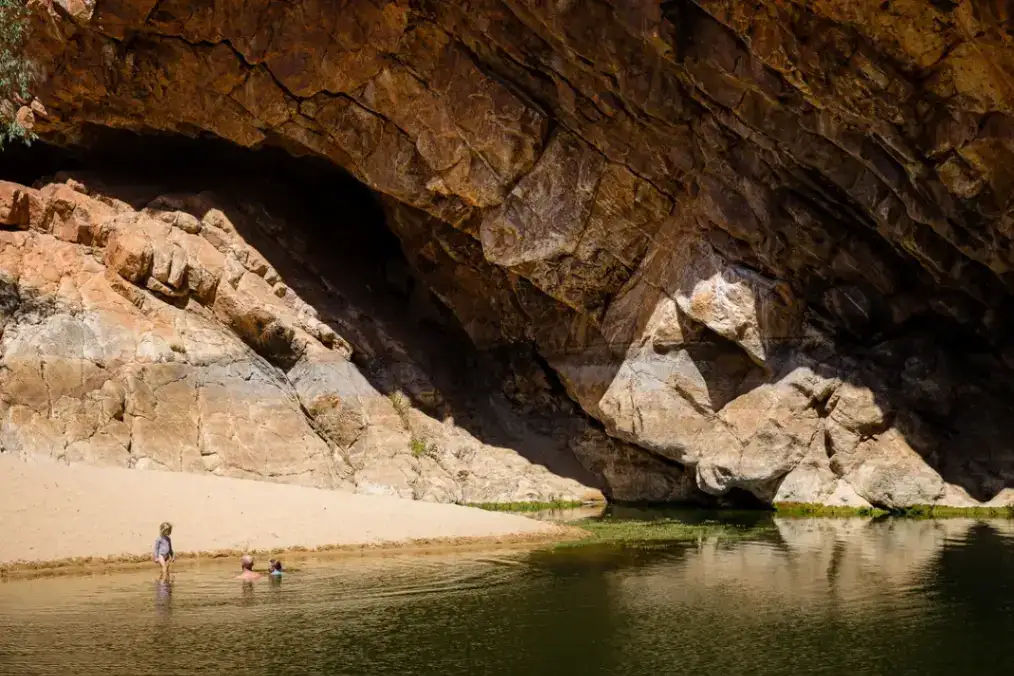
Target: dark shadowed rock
[{"x": 726, "y": 228}]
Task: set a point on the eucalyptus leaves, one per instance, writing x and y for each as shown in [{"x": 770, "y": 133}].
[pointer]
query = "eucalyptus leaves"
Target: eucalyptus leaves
[{"x": 15, "y": 70}]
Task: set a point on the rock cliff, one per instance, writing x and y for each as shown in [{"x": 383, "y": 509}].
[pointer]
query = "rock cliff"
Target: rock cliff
[
  {"x": 764, "y": 246},
  {"x": 159, "y": 338}
]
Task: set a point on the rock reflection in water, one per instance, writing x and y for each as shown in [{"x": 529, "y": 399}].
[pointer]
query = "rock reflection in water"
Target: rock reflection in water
[
  {"x": 823, "y": 595},
  {"x": 812, "y": 561}
]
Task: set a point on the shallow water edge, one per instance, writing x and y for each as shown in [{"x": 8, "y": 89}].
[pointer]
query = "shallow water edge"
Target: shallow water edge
[
  {"x": 579, "y": 525},
  {"x": 753, "y": 593},
  {"x": 186, "y": 560}
]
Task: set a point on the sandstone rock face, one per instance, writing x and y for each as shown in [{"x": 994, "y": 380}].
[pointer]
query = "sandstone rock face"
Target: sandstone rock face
[
  {"x": 167, "y": 347},
  {"x": 766, "y": 245}
]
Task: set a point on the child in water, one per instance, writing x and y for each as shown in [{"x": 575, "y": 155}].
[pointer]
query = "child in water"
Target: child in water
[
  {"x": 162, "y": 553},
  {"x": 275, "y": 568}
]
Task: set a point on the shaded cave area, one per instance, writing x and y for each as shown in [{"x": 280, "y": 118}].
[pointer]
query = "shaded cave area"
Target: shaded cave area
[
  {"x": 342, "y": 249},
  {"x": 336, "y": 251}
]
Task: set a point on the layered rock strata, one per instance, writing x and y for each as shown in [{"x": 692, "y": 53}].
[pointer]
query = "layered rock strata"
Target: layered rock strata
[
  {"x": 160, "y": 339},
  {"x": 765, "y": 242}
]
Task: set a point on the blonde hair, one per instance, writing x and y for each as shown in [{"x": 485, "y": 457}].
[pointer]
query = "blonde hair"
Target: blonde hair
[{"x": 165, "y": 529}]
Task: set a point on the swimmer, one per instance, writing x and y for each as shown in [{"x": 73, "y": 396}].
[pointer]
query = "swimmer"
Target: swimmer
[
  {"x": 275, "y": 568},
  {"x": 248, "y": 573}
]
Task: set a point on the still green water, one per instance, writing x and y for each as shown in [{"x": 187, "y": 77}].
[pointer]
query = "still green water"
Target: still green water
[{"x": 783, "y": 596}]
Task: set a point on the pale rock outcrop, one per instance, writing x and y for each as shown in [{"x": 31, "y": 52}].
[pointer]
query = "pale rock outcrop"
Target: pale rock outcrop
[
  {"x": 752, "y": 311},
  {"x": 888, "y": 472},
  {"x": 131, "y": 342},
  {"x": 765, "y": 435}
]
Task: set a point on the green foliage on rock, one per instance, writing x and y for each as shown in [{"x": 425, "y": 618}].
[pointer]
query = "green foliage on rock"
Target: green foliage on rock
[
  {"x": 807, "y": 510},
  {"x": 422, "y": 448},
  {"x": 16, "y": 71},
  {"x": 418, "y": 447},
  {"x": 942, "y": 512}
]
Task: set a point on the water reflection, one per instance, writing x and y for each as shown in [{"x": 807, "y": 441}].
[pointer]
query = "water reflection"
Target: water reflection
[
  {"x": 798, "y": 596},
  {"x": 248, "y": 592},
  {"x": 806, "y": 562},
  {"x": 163, "y": 598},
  {"x": 569, "y": 513}
]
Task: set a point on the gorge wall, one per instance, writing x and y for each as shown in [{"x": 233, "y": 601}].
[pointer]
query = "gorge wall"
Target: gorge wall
[{"x": 684, "y": 250}]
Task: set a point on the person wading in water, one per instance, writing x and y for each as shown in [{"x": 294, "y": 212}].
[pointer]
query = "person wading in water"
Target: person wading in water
[
  {"x": 163, "y": 553},
  {"x": 248, "y": 573}
]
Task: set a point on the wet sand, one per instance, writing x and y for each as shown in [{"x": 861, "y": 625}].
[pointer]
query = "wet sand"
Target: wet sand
[{"x": 53, "y": 513}]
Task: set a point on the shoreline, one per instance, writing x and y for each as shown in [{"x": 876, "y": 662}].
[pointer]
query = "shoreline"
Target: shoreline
[
  {"x": 79, "y": 519},
  {"x": 57, "y": 516},
  {"x": 97, "y": 565}
]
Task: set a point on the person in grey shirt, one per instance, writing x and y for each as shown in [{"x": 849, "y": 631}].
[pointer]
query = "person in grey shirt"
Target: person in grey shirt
[{"x": 163, "y": 553}]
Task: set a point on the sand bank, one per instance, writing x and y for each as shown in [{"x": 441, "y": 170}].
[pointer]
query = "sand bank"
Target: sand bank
[{"x": 51, "y": 512}]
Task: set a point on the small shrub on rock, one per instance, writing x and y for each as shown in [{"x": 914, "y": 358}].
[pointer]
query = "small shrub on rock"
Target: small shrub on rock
[
  {"x": 420, "y": 448},
  {"x": 401, "y": 405},
  {"x": 16, "y": 71}
]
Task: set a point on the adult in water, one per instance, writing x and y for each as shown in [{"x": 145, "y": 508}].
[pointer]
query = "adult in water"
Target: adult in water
[
  {"x": 248, "y": 574},
  {"x": 162, "y": 553}
]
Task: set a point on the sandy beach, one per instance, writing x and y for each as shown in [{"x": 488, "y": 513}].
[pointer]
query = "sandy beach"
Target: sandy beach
[{"x": 52, "y": 512}]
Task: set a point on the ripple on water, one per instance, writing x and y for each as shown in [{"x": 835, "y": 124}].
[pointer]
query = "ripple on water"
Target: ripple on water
[{"x": 809, "y": 596}]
